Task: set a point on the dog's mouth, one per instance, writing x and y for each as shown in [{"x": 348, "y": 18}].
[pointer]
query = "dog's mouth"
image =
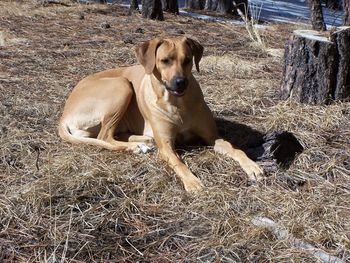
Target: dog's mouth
[
  {"x": 173, "y": 89},
  {"x": 177, "y": 93}
]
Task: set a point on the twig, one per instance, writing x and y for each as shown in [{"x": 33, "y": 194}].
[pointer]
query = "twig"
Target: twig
[
  {"x": 67, "y": 239},
  {"x": 138, "y": 251},
  {"x": 282, "y": 233},
  {"x": 250, "y": 23}
]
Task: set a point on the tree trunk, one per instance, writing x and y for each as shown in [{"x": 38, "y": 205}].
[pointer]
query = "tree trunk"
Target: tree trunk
[
  {"x": 211, "y": 5},
  {"x": 134, "y": 5},
  {"x": 317, "y": 69},
  {"x": 221, "y": 6},
  {"x": 316, "y": 15},
  {"x": 152, "y": 9},
  {"x": 341, "y": 38},
  {"x": 224, "y": 7},
  {"x": 171, "y": 6},
  {"x": 333, "y": 4},
  {"x": 195, "y": 4},
  {"x": 346, "y": 7}
]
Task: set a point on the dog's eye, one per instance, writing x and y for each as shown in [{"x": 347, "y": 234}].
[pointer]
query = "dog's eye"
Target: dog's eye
[
  {"x": 165, "y": 61},
  {"x": 187, "y": 61}
]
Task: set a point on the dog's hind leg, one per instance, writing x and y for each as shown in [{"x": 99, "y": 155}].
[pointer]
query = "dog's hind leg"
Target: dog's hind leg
[
  {"x": 113, "y": 117},
  {"x": 95, "y": 109}
]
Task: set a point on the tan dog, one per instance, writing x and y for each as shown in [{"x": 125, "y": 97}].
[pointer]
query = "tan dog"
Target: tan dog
[{"x": 126, "y": 108}]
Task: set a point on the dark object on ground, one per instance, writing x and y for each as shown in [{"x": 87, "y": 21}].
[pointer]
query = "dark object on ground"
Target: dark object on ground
[
  {"x": 55, "y": 2},
  {"x": 278, "y": 148},
  {"x": 128, "y": 40},
  {"x": 281, "y": 147},
  {"x": 140, "y": 30},
  {"x": 316, "y": 67},
  {"x": 180, "y": 32},
  {"x": 346, "y": 164},
  {"x": 105, "y": 25}
]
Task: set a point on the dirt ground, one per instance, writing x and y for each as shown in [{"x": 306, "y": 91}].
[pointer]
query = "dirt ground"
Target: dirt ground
[{"x": 65, "y": 203}]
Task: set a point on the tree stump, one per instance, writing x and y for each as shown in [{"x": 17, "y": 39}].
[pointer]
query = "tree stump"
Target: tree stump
[
  {"x": 341, "y": 38},
  {"x": 317, "y": 67}
]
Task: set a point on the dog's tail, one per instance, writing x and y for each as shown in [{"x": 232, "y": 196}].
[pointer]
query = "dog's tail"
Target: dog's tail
[{"x": 65, "y": 134}]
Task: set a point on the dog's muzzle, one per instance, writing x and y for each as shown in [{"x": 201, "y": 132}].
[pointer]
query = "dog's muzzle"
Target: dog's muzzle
[{"x": 178, "y": 86}]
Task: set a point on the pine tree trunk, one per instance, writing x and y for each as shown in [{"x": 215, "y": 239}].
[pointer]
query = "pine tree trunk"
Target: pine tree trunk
[
  {"x": 171, "y": 6},
  {"x": 211, "y": 5},
  {"x": 134, "y": 5},
  {"x": 152, "y": 9},
  {"x": 317, "y": 69},
  {"x": 224, "y": 7},
  {"x": 316, "y": 15},
  {"x": 195, "y": 4},
  {"x": 346, "y": 7}
]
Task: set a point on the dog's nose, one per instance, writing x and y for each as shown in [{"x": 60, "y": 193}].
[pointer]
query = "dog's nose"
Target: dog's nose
[{"x": 181, "y": 82}]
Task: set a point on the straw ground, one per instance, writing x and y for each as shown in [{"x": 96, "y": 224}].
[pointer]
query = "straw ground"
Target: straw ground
[{"x": 65, "y": 203}]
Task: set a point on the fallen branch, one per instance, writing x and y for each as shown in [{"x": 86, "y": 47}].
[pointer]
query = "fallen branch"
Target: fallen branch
[
  {"x": 55, "y": 2},
  {"x": 282, "y": 233}
]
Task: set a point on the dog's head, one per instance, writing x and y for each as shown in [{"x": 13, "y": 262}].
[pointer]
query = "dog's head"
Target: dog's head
[{"x": 171, "y": 61}]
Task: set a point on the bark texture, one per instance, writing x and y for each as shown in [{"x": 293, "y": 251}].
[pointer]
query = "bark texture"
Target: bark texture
[
  {"x": 316, "y": 15},
  {"x": 227, "y": 6},
  {"x": 346, "y": 6},
  {"x": 195, "y": 4},
  {"x": 316, "y": 69},
  {"x": 211, "y": 5},
  {"x": 341, "y": 39},
  {"x": 171, "y": 6},
  {"x": 134, "y": 5},
  {"x": 152, "y": 9}
]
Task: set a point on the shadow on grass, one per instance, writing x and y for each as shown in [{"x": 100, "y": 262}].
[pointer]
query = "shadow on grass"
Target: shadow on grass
[{"x": 279, "y": 146}]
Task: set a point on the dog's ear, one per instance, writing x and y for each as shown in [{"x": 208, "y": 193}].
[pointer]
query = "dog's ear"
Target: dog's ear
[
  {"x": 146, "y": 54},
  {"x": 197, "y": 50}
]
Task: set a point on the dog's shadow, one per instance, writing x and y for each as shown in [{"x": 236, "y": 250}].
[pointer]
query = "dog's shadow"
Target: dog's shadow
[{"x": 280, "y": 147}]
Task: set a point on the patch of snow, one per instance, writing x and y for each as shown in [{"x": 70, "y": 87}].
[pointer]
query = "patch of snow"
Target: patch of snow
[
  {"x": 293, "y": 11},
  {"x": 285, "y": 11}
]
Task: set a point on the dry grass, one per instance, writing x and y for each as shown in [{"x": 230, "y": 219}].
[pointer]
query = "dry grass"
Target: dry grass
[{"x": 64, "y": 203}]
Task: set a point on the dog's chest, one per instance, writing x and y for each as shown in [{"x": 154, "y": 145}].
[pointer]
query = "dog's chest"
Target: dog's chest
[{"x": 175, "y": 114}]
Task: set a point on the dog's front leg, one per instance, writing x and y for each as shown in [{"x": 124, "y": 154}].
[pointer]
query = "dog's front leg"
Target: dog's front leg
[
  {"x": 166, "y": 148},
  {"x": 205, "y": 127},
  {"x": 251, "y": 168}
]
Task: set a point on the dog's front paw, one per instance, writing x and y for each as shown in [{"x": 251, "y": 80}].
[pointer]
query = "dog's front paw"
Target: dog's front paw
[
  {"x": 193, "y": 184},
  {"x": 253, "y": 170}
]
